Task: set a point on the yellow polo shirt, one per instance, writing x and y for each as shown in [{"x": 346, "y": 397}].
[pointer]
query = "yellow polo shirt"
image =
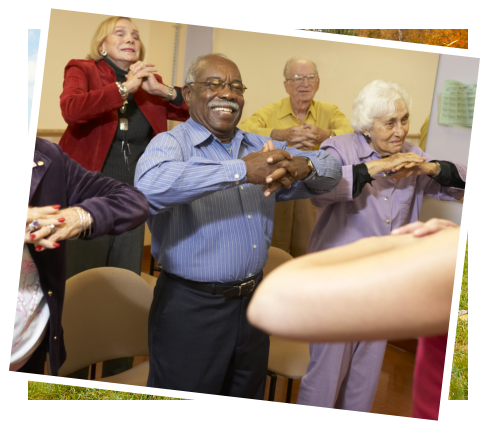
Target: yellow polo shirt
[{"x": 279, "y": 115}]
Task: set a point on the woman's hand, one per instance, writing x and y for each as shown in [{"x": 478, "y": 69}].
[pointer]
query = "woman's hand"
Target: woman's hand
[
  {"x": 394, "y": 163},
  {"x": 67, "y": 224},
  {"x": 138, "y": 72},
  {"x": 44, "y": 218},
  {"x": 409, "y": 170},
  {"x": 420, "y": 229}
]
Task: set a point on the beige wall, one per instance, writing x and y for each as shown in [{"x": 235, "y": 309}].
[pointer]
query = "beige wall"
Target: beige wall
[
  {"x": 69, "y": 37},
  {"x": 344, "y": 69}
]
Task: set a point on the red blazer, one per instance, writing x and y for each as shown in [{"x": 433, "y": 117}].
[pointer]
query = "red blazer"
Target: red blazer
[{"x": 89, "y": 104}]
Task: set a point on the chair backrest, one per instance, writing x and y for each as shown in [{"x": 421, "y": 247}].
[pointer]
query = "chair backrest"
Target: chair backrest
[
  {"x": 276, "y": 257},
  {"x": 105, "y": 317}
]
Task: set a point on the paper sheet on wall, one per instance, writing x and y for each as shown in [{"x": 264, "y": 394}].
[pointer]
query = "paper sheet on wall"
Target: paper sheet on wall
[{"x": 457, "y": 104}]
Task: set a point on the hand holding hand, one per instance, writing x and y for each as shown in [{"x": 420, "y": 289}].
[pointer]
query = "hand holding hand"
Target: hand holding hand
[
  {"x": 420, "y": 229},
  {"x": 270, "y": 165},
  {"x": 40, "y": 223},
  {"x": 55, "y": 225},
  {"x": 416, "y": 170},
  {"x": 138, "y": 72}
]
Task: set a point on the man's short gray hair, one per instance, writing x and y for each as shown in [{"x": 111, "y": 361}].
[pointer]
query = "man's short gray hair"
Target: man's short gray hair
[
  {"x": 289, "y": 63},
  {"x": 189, "y": 75},
  {"x": 376, "y": 100}
]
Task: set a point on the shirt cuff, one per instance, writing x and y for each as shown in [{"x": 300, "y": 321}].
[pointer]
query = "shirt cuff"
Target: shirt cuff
[
  {"x": 360, "y": 178},
  {"x": 235, "y": 170},
  {"x": 178, "y": 101},
  {"x": 448, "y": 175}
]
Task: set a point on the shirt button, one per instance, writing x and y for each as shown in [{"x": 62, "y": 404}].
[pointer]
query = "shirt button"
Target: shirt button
[
  {"x": 237, "y": 183},
  {"x": 236, "y": 176},
  {"x": 50, "y": 292},
  {"x": 388, "y": 222},
  {"x": 384, "y": 175},
  {"x": 55, "y": 338},
  {"x": 40, "y": 163},
  {"x": 254, "y": 246},
  {"x": 386, "y": 198},
  {"x": 249, "y": 217},
  {"x": 241, "y": 187},
  {"x": 314, "y": 178}
]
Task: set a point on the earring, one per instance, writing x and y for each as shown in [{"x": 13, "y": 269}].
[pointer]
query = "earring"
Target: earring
[
  {"x": 367, "y": 137},
  {"x": 103, "y": 52}
]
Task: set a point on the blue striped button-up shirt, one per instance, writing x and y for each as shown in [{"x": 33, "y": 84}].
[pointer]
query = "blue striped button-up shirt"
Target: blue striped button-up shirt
[{"x": 208, "y": 224}]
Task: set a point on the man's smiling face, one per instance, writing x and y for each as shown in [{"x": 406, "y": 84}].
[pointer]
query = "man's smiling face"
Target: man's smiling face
[
  {"x": 305, "y": 91},
  {"x": 219, "y": 112}
]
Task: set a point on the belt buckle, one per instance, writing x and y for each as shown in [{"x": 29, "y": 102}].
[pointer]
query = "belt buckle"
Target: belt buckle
[{"x": 246, "y": 284}]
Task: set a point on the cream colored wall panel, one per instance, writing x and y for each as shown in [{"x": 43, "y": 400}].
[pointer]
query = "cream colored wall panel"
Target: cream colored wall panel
[{"x": 344, "y": 69}]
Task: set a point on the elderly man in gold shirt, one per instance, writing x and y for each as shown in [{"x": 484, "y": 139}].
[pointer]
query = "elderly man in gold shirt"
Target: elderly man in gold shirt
[{"x": 303, "y": 123}]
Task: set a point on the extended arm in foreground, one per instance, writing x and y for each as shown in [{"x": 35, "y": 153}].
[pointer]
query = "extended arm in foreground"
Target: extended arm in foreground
[{"x": 376, "y": 288}]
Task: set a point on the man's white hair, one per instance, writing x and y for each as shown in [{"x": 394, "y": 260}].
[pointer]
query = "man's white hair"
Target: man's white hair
[
  {"x": 189, "y": 75},
  {"x": 376, "y": 100},
  {"x": 289, "y": 63}
]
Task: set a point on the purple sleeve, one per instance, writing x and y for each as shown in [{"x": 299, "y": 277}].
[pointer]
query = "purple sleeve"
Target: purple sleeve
[{"x": 114, "y": 206}]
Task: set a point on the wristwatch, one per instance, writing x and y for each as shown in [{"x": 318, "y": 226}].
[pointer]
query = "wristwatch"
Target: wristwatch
[
  {"x": 311, "y": 166},
  {"x": 122, "y": 90},
  {"x": 333, "y": 134},
  {"x": 170, "y": 93}
]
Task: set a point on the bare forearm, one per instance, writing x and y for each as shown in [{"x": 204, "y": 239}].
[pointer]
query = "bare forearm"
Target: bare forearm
[{"x": 398, "y": 292}]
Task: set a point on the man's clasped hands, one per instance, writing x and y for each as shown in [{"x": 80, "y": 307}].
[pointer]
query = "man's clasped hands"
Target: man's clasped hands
[{"x": 275, "y": 168}]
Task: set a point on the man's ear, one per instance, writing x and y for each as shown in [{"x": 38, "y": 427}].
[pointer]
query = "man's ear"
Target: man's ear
[{"x": 187, "y": 94}]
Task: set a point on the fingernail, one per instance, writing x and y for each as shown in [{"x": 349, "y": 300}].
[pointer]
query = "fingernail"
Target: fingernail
[
  {"x": 270, "y": 160},
  {"x": 61, "y": 219},
  {"x": 56, "y": 245},
  {"x": 57, "y": 206},
  {"x": 267, "y": 194},
  {"x": 33, "y": 235},
  {"x": 39, "y": 248},
  {"x": 269, "y": 180}
]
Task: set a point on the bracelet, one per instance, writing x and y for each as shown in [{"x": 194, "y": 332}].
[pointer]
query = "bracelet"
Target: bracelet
[
  {"x": 170, "y": 93},
  {"x": 83, "y": 223},
  {"x": 122, "y": 90}
]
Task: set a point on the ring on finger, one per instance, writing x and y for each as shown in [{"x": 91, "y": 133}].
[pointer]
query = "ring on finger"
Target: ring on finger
[
  {"x": 51, "y": 227},
  {"x": 34, "y": 225}
]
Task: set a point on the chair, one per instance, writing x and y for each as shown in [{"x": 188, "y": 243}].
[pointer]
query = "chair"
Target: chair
[
  {"x": 105, "y": 317},
  {"x": 286, "y": 358}
]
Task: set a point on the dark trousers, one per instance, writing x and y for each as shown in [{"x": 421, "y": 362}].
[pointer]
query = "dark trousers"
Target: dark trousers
[{"x": 199, "y": 342}]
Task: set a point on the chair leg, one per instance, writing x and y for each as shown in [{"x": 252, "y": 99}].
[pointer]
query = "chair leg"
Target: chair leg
[
  {"x": 273, "y": 383},
  {"x": 289, "y": 390},
  {"x": 93, "y": 369}
]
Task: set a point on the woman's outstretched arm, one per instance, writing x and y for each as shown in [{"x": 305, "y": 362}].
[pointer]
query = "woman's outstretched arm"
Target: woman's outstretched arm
[{"x": 389, "y": 287}]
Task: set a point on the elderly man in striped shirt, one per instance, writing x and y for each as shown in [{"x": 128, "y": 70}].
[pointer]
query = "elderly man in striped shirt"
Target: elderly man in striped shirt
[{"x": 212, "y": 190}]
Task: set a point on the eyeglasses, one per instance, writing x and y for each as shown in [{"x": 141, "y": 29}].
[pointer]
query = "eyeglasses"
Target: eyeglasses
[
  {"x": 217, "y": 85},
  {"x": 298, "y": 78}
]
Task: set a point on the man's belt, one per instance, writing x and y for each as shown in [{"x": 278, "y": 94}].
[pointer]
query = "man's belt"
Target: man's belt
[{"x": 228, "y": 290}]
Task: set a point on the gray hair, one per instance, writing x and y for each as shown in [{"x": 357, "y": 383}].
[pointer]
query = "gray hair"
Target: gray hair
[
  {"x": 289, "y": 63},
  {"x": 376, "y": 100},
  {"x": 189, "y": 75}
]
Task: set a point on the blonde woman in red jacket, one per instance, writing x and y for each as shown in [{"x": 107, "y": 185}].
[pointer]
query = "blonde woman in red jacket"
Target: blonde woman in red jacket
[{"x": 114, "y": 103}]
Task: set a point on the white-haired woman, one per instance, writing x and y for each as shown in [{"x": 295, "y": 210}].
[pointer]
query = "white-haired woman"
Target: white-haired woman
[
  {"x": 114, "y": 103},
  {"x": 382, "y": 188}
]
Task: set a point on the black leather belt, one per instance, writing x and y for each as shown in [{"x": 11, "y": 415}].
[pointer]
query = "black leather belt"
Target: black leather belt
[{"x": 228, "y": 290}]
